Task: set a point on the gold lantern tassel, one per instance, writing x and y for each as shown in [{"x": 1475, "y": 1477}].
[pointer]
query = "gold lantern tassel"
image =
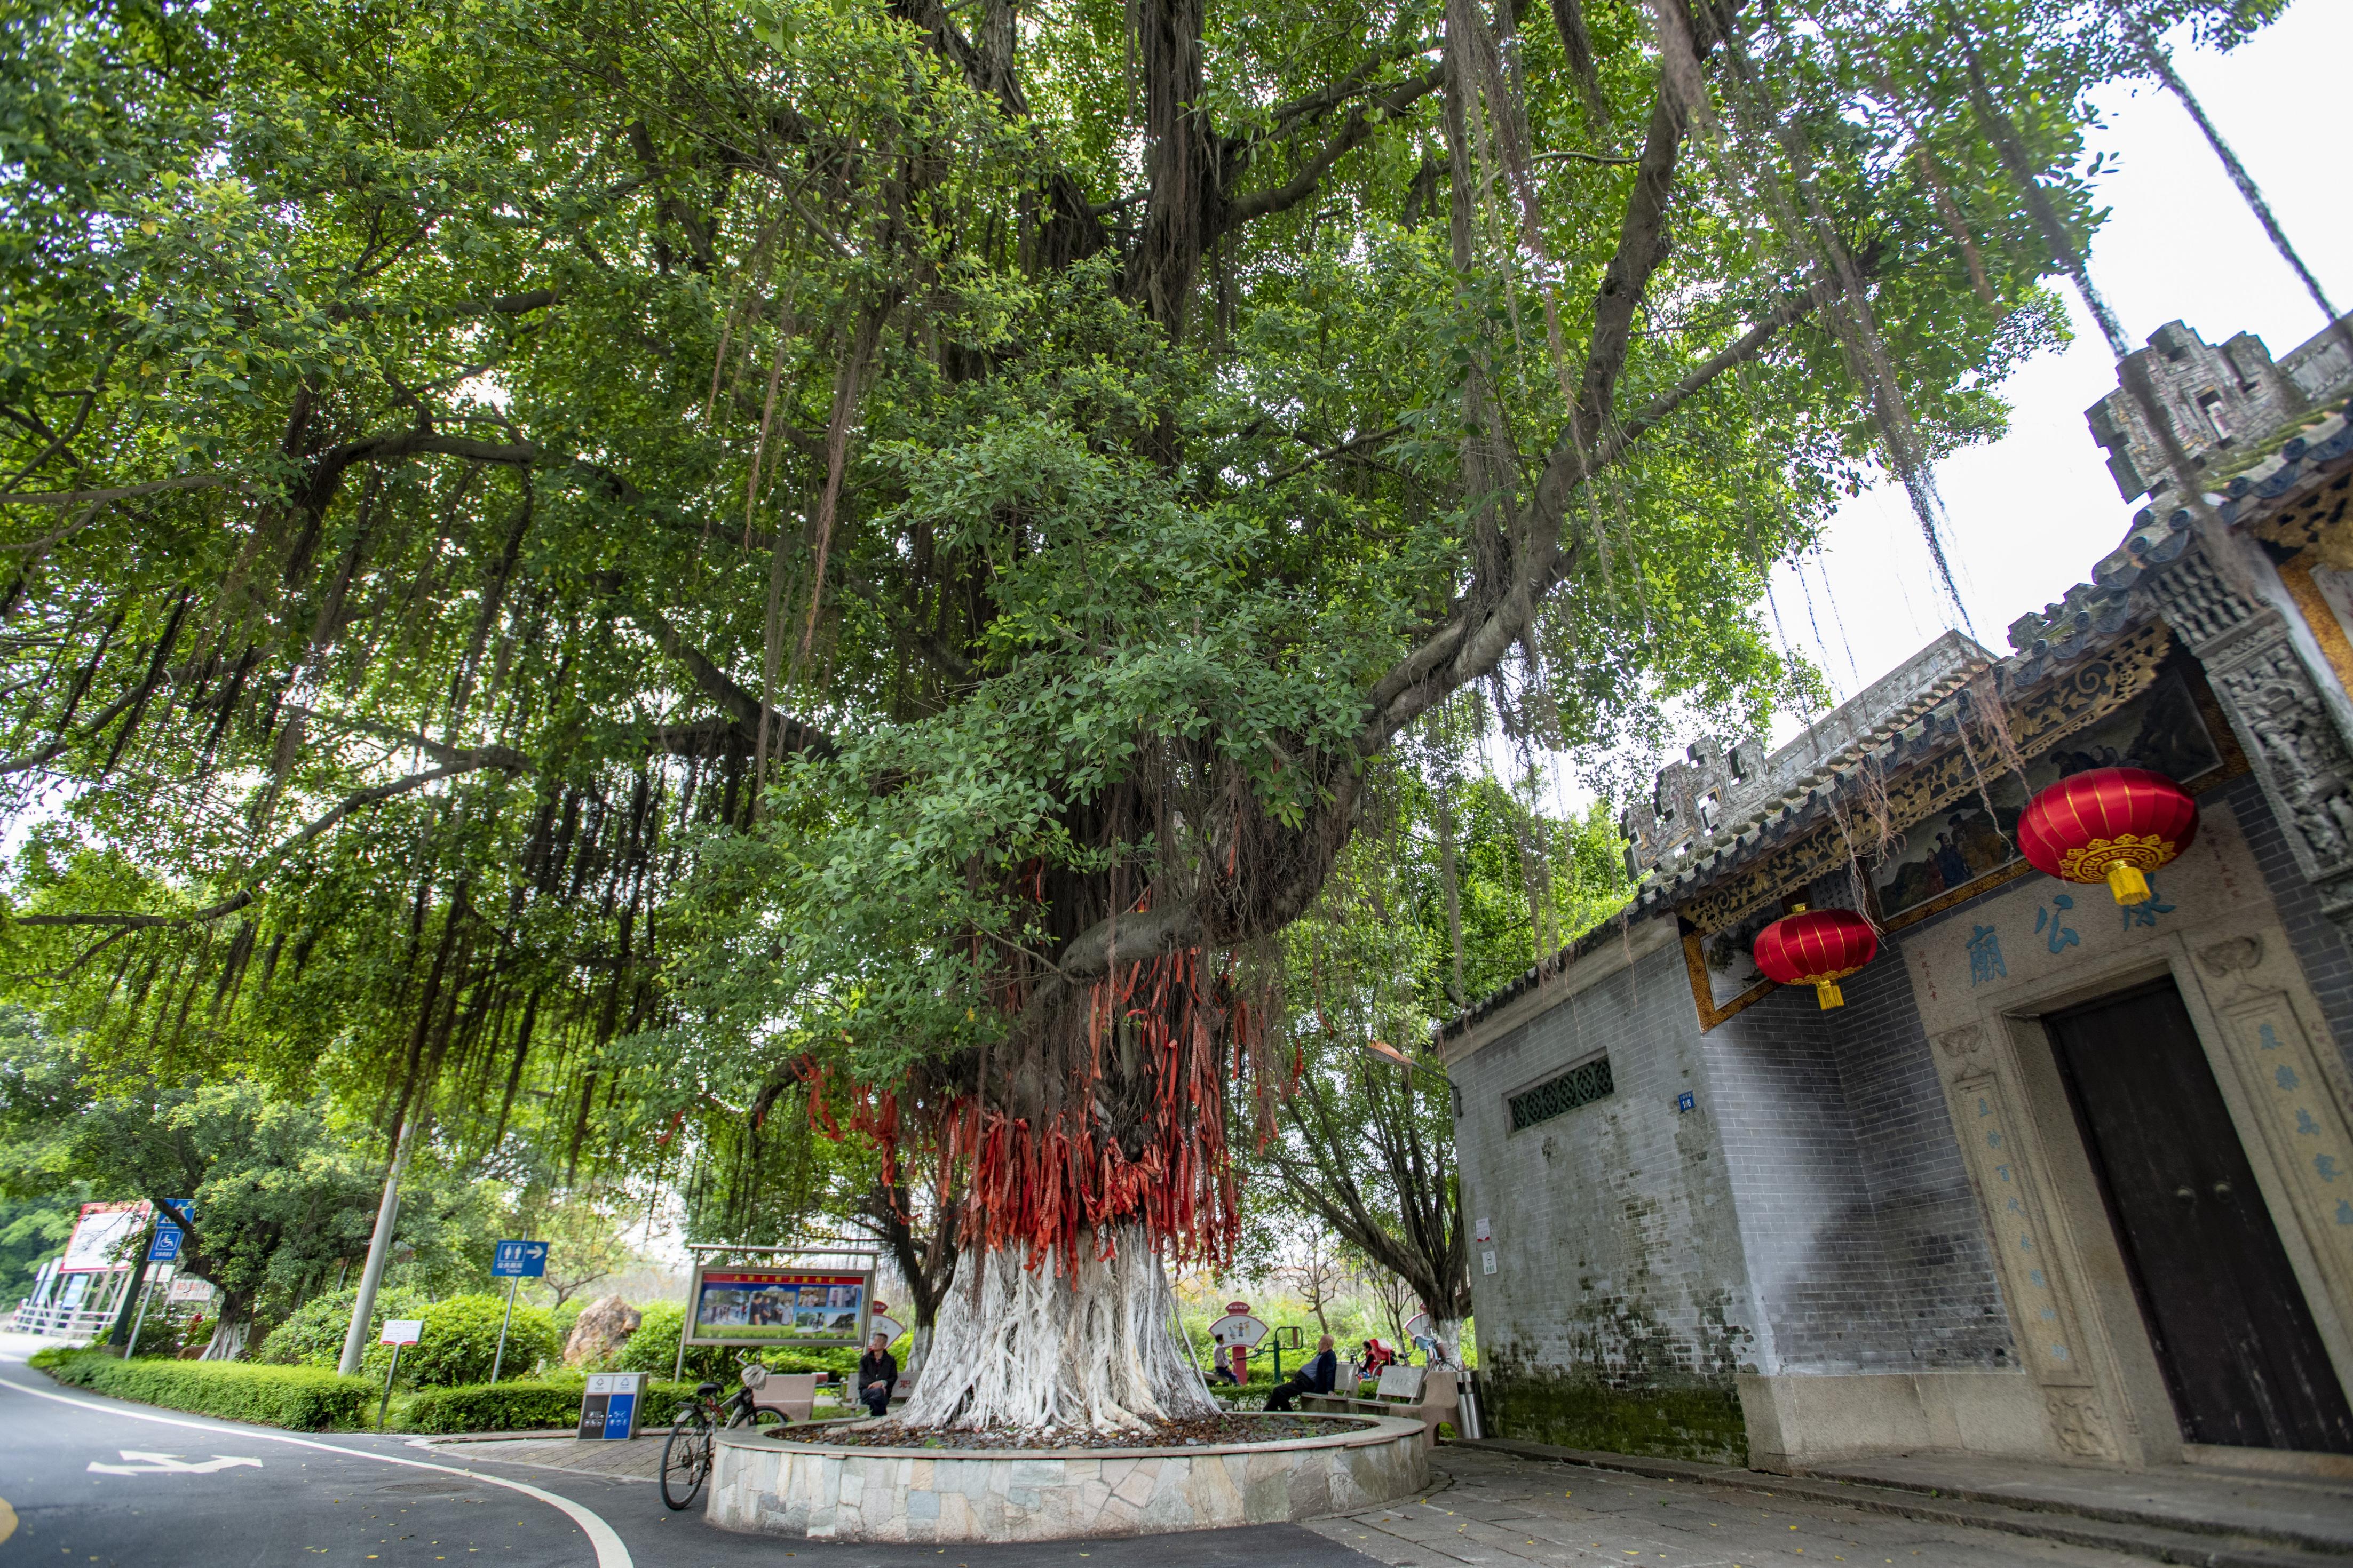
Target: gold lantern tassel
[
  {"x": 1828, "y": 991},
  {"x": 2128, "y": 884}
]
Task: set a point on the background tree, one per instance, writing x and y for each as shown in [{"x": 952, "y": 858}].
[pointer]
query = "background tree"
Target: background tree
[{"x": 585, "y": 1244}]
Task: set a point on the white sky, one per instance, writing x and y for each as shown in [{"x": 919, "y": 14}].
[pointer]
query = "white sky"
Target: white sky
[{"x": 2030, "y": 514}]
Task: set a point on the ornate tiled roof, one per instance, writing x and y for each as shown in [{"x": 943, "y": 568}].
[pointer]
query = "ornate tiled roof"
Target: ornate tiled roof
[{"x": 1727, "y": 807}]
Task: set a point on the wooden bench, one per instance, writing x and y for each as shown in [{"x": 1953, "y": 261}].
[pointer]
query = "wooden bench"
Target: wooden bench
[{"x": 1427, "y": 1394}]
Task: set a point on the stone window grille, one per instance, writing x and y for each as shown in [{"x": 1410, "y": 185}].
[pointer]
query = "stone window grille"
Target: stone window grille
[{"x": 1580, "y": 1085}]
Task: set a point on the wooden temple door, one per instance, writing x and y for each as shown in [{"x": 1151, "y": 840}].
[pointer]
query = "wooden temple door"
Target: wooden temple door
[{"x": 2229, "y": 1322}]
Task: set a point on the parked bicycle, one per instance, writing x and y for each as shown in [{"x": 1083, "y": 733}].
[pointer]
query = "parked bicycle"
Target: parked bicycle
[{"x": 688, "y": 1451}]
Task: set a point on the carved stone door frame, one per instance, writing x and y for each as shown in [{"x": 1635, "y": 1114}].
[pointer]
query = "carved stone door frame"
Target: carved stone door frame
[
  {"x": 2073, "y": 1313},
  {"x": 1985, "y": 979}
]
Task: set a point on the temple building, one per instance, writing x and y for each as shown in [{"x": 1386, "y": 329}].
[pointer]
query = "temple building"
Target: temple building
[{"x": 2063, "y": 1178}]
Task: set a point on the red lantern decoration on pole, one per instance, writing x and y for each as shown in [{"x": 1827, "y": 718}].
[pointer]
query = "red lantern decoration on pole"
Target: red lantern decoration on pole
[
  {"x": 1817, "y": 948},
  {"x": 2110, "y": 824}
]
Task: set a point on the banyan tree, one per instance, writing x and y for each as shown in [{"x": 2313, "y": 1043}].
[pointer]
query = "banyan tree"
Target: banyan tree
[{"x": 614, "y": 573}]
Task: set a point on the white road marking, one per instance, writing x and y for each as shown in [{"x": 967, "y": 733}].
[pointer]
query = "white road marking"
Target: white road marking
[
  {"x": 610, "y": 1552},
  {"x": 168, "y": 1465}
]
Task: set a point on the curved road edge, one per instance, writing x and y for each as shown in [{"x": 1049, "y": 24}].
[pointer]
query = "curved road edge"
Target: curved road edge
[{"x": 610, "y": 1551}]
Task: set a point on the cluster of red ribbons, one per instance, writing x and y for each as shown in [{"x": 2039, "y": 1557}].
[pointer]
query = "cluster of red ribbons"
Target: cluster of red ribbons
[{"x": 1043, "y": 1186}]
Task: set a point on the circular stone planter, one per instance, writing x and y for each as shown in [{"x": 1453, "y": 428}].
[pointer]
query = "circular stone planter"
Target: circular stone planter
[{"x": 825, "y": 1492}]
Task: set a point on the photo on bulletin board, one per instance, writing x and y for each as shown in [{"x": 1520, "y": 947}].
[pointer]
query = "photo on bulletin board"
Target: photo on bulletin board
[{"x": 740, "y": 1306}]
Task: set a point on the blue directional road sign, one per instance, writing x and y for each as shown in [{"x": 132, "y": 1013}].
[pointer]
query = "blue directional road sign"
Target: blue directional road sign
[
  {"x": 169, "y": 1235},
  {"x": 520, "y": 1260}
]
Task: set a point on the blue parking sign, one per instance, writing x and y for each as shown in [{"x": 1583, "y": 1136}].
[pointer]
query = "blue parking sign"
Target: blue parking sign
[{"x": 520, "y": 1260}]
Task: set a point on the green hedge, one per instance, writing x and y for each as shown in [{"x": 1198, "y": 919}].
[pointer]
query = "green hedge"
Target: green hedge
[
  {"x": 526, "y": 1407},
  {"x": 313, "y": 1335},
  {"x": 461, "y": 1340},
  {"x": 307, "y": 1399}
]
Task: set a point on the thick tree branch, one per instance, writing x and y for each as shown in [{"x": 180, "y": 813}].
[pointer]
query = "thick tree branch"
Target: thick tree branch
[
  {"x": 358, "y": 800},
  {"x": 89, "y": 498},
  {"x": 1352, "y": 133},
  {"x": 786, "y": 734}
]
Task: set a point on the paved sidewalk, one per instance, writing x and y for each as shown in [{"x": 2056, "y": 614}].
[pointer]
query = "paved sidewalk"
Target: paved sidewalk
[
  {"x": 633, "y": 1459},
  {"x": 1501, "y": 1509},
  {"x": 2313, "y": 1512}
]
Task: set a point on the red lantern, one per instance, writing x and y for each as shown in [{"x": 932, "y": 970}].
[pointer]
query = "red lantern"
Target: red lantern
[
  {"x": 1817, "y": 948},
  {"x": 2110, "y": 824}
]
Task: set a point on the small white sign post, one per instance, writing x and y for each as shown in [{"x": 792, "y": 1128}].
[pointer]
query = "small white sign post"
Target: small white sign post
[{"x": 397, "y": 1331}]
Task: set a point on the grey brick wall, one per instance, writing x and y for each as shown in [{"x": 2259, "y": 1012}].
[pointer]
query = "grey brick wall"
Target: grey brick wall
[
  {"x": 2320, "y": 948},
  {"x": 1616, "y": 1255},
  {"x": 1812, "y": 1213},
  {"x": 1864, "y": 1249}
]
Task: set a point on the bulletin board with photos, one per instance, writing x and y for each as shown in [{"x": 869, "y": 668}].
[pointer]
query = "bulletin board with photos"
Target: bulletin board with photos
[{"x": 733, "y": 1305}]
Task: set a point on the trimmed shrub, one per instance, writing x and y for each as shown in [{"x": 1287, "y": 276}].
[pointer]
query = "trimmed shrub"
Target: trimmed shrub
[
  {"x": 501, "y": 1407},
  {"x": 313, "y": 1336},
  {"x": 528, "y": 1407},
  {"x": 461, "y": 1338},
  {"x": 304, "y": 1398},
  {"x": 654, "y": 1348}
]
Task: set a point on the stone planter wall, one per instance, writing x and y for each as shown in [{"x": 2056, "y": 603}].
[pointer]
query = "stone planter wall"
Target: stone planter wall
[{"x": 823, "y": 1492}]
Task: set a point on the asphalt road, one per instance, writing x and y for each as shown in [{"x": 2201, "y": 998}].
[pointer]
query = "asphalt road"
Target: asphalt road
[{"x": 86, "y": 1479}]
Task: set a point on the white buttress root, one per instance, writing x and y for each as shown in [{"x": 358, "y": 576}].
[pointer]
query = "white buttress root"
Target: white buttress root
[{"x": 1086, "y": 1349}]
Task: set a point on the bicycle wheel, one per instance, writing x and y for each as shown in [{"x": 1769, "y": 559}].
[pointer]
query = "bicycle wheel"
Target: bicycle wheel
[{"x": 686, "y": 1459}]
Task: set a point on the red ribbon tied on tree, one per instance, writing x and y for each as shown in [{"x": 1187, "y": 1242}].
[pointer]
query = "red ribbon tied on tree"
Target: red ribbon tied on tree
[
  {"x": 2110, "y": 824},
  {"x": 1817, "y": 948}
]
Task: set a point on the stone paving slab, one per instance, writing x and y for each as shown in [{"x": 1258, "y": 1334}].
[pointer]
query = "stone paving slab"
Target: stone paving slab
[
  {"x": 1501, "y": 1511},
  {"x": 2261, "y": 1528},
  {"x": 2315, "y": 1512},
  {"x": 633, "y": 1459}
]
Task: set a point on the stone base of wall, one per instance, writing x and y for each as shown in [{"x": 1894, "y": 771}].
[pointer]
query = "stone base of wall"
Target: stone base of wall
[
  {"x": 827, "y": 1493},
  {"x": 1795, "y": 1419},
  {"x": 1683, "y": 1420}
]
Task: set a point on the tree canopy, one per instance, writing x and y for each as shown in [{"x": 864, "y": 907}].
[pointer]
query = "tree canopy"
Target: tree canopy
[{"x": 580, "y": 574}]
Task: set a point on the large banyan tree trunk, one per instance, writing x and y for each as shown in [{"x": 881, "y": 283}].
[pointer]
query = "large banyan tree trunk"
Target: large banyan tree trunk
[
  {"x": 1090, "y": 1150},
  {"x": 1091, "y": 1347}
]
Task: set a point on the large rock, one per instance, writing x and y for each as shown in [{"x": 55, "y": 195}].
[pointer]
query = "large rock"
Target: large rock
[{"x": 601, "y": 1329}]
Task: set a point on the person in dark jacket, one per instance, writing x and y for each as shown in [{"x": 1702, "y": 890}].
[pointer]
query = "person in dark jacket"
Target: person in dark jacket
[
  {"x": 878, "y": 1375},
  {"x": 1315, "y": 1377}
]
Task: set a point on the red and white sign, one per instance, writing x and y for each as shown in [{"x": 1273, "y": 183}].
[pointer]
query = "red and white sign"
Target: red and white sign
[
  {"x": 104, "y": 1236},
  {"x": 402, "y": 1331}
]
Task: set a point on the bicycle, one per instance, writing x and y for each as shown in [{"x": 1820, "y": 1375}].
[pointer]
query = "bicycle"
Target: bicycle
[{"x": 688, "y": 1451}]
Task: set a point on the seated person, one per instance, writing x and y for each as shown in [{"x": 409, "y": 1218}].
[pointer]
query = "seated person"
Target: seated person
[
  {"x": 878, "y": 1375},
  {"x": 1377, "y": 1356},
  {"x": 1315, "y": 1377}
]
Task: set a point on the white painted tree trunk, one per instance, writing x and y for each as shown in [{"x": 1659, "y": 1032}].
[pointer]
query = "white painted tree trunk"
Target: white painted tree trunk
[
  {"x": 227, "y": 1343},
  {"x": 1088, "y": 1350},
  {"x": 919, "y": 1350},
  {"x": 1446, "y": 1342}
]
